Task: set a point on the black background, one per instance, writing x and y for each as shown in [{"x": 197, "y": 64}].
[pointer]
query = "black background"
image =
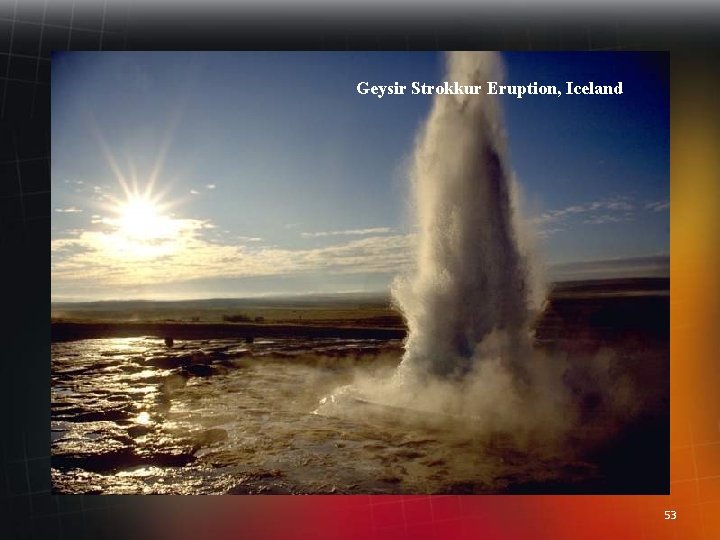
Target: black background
[{"x": 29, "y": 32}]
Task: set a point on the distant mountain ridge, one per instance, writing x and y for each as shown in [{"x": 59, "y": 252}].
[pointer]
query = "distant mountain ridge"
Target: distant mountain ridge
[{"x": 340, "y": 299}]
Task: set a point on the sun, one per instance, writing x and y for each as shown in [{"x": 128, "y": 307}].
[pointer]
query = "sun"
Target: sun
[
  {"x": 138, "y": 227},
  {"x": 140, "y": 218},
  {"x": 141, "y": 229}
]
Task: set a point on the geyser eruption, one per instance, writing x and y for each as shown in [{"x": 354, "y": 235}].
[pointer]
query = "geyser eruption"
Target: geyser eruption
[
  {"x": 470, "y": 291},
  {"x": 468, "y": 302},
  {"x": 469, "y": 365}
]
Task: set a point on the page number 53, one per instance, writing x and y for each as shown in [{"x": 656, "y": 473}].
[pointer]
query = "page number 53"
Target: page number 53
[{"x": 670, "y": 514}]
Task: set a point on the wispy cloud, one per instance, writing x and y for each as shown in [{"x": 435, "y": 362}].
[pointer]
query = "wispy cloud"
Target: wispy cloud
[
  {"x": 210, "y": 186},
  {"x": 614, "y": 204},
  {"x": 192, "y": 249},
  {"x": 68, "y": 210},
  {"x": 606, "y": 218},
  {"x": 650, "y": 266},
  {"x": 547, "y": 233},
  {"x": 657, "y": 206},
  {"x": 348, "y": 232},
  {"x": 78, "y": 186},
  {"x": 194, "y": 191},
  {"x": 599, "y": 212},
  {"x": 186, "y": 252}
]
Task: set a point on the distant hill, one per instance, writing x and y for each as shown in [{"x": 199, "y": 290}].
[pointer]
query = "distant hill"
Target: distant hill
[
  {"x": 270, "y": 309},
  {"x": 232, "y": 303},
  {"x": 643, "y": 284},
  {"x": 608, "y": 308},
  {"x": 326, "y": 308}
]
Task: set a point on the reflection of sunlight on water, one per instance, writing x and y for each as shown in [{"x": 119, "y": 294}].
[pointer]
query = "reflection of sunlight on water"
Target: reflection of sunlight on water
[
  {"x": 123, "y": 343},
  {"x": 141, "y": 390},
  {"x": 146, "y": 373},
  {"x": 142, "y": 471},
  {"x": 249, "y": 428}
]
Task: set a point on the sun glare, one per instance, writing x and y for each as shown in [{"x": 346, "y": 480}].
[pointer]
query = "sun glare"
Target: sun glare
[
  {"x": 140, "y": 219},
  {"x": 137, "y": 227},
  {"x": 142, "y": 229}
]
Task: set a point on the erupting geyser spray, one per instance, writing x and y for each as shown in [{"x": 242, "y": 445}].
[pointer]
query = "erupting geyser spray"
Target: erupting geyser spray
[
  {"x": 468, "y": 296},
  {"x": 472, "y": 295}
]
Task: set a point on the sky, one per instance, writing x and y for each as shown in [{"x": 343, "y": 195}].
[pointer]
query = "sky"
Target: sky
[{"x": 230, "y": 174}]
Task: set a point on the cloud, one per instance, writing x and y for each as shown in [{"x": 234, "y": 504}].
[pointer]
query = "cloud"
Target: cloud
[
  {"x": 350, "y": 232},
  {"x": 181, "y": 251},
  {"x": 210, "y": 186},
  {"x": 68, "y": 210},
  {"x": 606, "y": 218},
  {"x": 657, "y": 206},
  {"x": 599, "y": 212},
  {"x": 614, "y": 204},
  {"x": 650, "y": 266},
  {"x": 194, "y": 191},
  {"x": 99, "y": 193},
  {"x": 547, "y": 233}
]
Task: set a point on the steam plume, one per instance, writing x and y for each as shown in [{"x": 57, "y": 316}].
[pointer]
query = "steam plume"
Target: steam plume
[
  {"x": 471, "y": 299},
  {"x": 471, "y": 279}
]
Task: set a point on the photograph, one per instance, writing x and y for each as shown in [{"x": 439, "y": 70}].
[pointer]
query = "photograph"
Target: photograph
[{"x": 366, "y": 272}]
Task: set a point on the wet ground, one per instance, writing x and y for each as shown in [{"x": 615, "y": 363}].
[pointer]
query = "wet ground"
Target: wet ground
[
  {"x": 132, "y": 416},
  {"x": 239, "y": 416}
]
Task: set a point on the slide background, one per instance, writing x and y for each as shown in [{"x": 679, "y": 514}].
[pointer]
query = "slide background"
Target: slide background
[{"x": 29, "y": 31}]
